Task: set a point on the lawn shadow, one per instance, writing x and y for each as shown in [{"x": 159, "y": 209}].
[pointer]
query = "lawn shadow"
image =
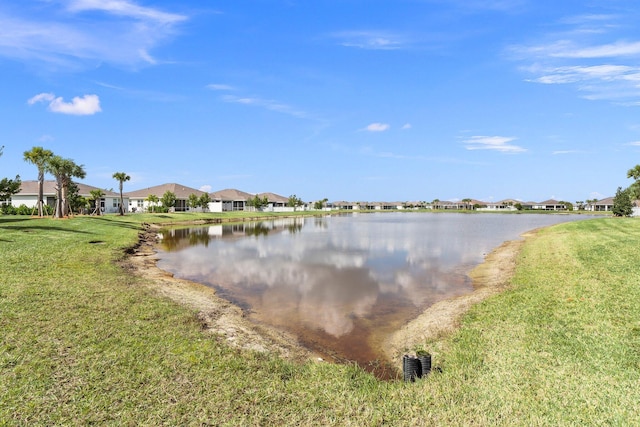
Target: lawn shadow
[
  {"x": 118, "y": 223},
  {"x": 31, "y": 224},
  {"x": 28, "y": 229}
]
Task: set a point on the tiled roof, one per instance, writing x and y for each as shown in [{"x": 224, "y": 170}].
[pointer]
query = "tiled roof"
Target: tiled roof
[
  {"x": 230, "y": 194},
  {"x": 274, "y": 198},
  {"x": 49, "y": 189},
  {"x": 181, "y": 191}
]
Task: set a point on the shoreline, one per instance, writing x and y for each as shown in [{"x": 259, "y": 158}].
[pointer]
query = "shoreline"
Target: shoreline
[
  {"x": 227, "y": 321},
  {"x": 489, "y": 278}
]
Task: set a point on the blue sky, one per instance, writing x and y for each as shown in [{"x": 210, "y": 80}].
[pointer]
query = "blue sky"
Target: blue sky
[{"x": 355, "y": 100}]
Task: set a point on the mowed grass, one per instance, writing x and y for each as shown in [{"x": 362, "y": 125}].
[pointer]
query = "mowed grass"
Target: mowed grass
[{"x": 83, "y": 342}]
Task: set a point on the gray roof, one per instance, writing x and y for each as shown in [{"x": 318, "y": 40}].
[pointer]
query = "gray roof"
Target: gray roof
[
  {"x": 29, "y": 188},
  {"x": 230, "y": 194},
  {"x": 274, "y": 198},
  {"x": 607, "y": 201},
  {"x": 181, "y": 191}
]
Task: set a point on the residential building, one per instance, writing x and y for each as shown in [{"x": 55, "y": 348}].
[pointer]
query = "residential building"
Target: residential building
[{"x": 28, "y": 196}]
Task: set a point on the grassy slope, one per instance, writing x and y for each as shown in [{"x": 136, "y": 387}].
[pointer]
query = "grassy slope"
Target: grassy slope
[{"x": 82, "y": 342}]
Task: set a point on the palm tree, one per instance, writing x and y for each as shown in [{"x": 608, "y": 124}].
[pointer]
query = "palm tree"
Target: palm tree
[
  {"x": 39, "y": 157},
  {"x": 64, "y": 170},
  {"x": 121, "y": 177},
  {"x": 96, "y": 195}
]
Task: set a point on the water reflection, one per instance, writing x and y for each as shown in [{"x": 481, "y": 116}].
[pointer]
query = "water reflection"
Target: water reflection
[{"x": 341, "y": 283}]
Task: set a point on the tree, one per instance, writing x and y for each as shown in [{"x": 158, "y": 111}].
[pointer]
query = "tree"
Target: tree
[
  {"x": 77, "y": 203},
  {"x": 257, "y": 202},
  {"x": 294, "y": 202},
  {"x": 64, "y": 170},
  {"x": 8, "y": 187},
  {"x": 96, "y": 196},
  {"x": 204, "y": 201},
  {"x": 320, "y": 204},
  {"x": 39, "y": 157},
  {"x": 622, "y": 202},
  {"x": 194, "y": 201},
  {"x": 567, "y": 205},
  {"x": 635, "y": 187},
  {"x": 467, "y": 203},
  {"x": 121, "y": 177},
  {"x": 152, "y": 200},
  {"x": 168, "y": 200}
]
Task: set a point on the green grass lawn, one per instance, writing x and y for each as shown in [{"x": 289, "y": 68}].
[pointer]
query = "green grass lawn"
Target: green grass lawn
[{"x": 82, "y": 342}]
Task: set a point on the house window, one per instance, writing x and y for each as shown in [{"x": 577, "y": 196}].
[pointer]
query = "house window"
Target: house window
[{"x": 116, "y": 203}]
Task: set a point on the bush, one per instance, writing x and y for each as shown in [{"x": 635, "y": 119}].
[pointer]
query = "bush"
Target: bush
[{"x": 7, "y": 209}]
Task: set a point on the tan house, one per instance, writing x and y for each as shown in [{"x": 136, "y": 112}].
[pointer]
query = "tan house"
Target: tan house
[
  {"x": 604, "y": 205},
  {"x": 276, "y": 202},
  {"x": 229, "y": 200},
  {"x": 550, "y": 205},
  {"x": 138, "y": 199}
]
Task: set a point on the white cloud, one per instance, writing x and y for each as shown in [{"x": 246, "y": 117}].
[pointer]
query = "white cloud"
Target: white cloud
[
  {"x": 377, "y": 127},
  {"x": 406, "y": 126},
  {"x": 634, "y": 143},
  {"x": 597, "y": 54},
  {"x": 223, "y": 87},
  {"x": 268, "y": 104},
  {"x": 372, "y": 40},
  {"x": 81, "y": 106},
  {"x": 126, "y": 9},
  {"x": 41, "y": 97},
  {"x": 612, "y": 50},
  {"x": 558, "y": 152},
  {"x": 494, "y": 143},
  {"x": 206, "y": 188},
  {"x": 116, "y": 31}
]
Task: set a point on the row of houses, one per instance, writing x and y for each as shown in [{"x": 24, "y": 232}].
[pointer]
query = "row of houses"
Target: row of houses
[
  {"x": 235, "y": 200},
  {"x": 138, "y": 201}
]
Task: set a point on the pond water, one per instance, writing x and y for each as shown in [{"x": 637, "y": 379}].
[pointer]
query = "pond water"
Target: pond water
[{"x": 341, "y": 284}]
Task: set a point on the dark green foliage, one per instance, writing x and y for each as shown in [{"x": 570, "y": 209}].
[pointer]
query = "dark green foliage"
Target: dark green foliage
[
  {"x": 258, "y": 202},
  {"x": 622, "y": 203},
  {"x": 9, "y": 187},
  {"x": 294, "y": 201},
  {"x": 168, "y": 200}
]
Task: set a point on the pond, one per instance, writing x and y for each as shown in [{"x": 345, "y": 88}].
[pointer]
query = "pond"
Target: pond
[{"x": 342, "y": 283}]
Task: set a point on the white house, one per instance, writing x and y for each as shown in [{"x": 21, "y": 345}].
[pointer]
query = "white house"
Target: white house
[
  {"x": 28, "y": 196},
  {"x": 138, "y": 199},
  {"x": 229, "y": 200}
]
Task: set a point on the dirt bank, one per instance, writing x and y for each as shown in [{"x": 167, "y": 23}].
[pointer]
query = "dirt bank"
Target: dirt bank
[
  {"x": 227, "y": 321},
  {"x": 218, "y": 316},
  {"x": 489, "y": 278}
]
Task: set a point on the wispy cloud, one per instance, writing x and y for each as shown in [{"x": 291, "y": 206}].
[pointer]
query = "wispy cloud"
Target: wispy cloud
[
  {"x": 125, "y": 8},
  {"x": 593, "y": 53},
  {"x": 560, "y": 152},
  {"x": 220, "y": 87},
  {"x": 406, "y": 126},
  {"x": 373, "y": 40},
  {"x": 73, "y": 34},
  {"x": 80, "y": 106},
  {"x": 493, "y": 143},
  {"x": 634, "y": 143},
  {"x": 377, "y": 127},
  {"x": 268, "y": 104}
]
